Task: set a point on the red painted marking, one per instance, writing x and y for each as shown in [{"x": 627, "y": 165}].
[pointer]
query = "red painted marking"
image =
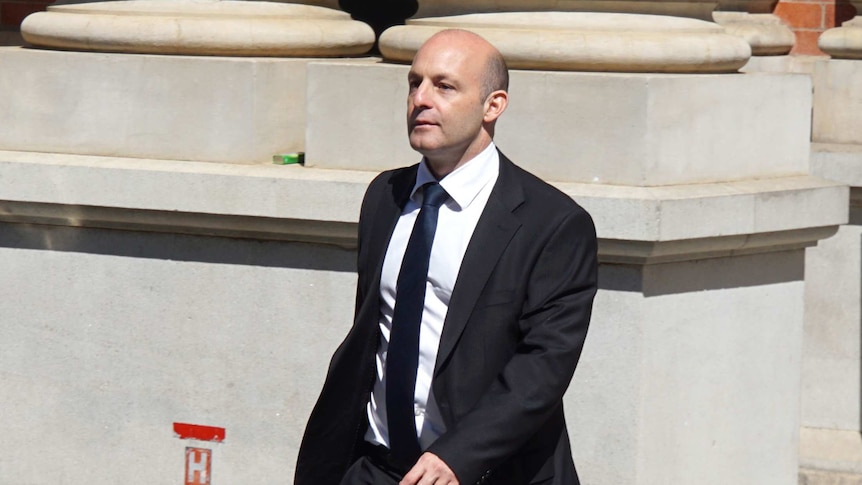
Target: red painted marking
[
  {"x": 198, "y": 466},
  {"x": 197, "y": 432}
]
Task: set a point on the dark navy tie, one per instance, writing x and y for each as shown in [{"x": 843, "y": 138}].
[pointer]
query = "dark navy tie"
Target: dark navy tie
[{"x": 402, "y": 359}]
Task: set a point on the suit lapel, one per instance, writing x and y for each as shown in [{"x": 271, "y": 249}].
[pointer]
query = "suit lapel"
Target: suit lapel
[
  {"x": 388, "y": 211},
  {"x": 492, "y": 235}
]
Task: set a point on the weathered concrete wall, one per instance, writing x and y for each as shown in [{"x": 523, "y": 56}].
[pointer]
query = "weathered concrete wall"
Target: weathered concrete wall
[
  {"x": 111, "y": 336},
  {"x": 108, "y": 337},
  {"x": 675, "y": 372}
]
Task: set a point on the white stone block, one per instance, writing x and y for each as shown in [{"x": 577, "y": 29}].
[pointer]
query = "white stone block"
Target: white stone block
[
  {"x": 830, "y": 456},
  {"x": 837, "y": 161},
  {"x": 618, "y": 129},
  {"x": 236, "y": 110},
  {"x": 690, "y": 374},
  {"x": 782, "y": 64},
  {"x": 275, "y": 201},
  {"x": 831, "y": 376},
  {"x": 109, "y": 337},
  {"x": 837, "y": 116}
]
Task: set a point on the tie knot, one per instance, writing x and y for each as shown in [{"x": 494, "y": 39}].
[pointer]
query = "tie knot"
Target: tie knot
[{"x": 434, "y": 195}]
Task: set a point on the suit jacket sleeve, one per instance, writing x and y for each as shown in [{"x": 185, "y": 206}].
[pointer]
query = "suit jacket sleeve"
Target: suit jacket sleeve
[{"x": 552, "y": 327}]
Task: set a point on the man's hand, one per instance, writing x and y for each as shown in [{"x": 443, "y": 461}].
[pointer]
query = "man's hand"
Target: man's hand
[{"x": 429, "y": 470}]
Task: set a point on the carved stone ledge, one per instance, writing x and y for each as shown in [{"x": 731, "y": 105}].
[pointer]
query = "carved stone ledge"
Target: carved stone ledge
[
  {"x": 765, "y": 33},
  {"x": 843, "y": 42},
  {"x": 580, "y": 41},
  {"x": 639, "y": 225},
  {"x": 199, "y": 27}
]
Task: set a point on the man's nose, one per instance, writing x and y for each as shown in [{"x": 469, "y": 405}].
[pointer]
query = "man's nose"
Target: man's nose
[{"x": 421, "y": 95}]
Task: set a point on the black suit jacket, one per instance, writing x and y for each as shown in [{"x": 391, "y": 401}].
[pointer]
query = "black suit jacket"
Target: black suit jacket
[{"x": 514, "y": 331}]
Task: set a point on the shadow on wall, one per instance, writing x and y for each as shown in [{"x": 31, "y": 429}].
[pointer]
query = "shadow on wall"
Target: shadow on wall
[
  {"x": 177, "y": 247},
  {"x": 705, "y": 274},
  {"x": 844, "y": 11},
  {"x": 10, "y": 38}
]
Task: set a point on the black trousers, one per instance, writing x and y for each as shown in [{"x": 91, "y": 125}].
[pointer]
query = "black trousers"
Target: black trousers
[
  {"x": 375, "y": 467},
  {"x": 365, "y": 472}
]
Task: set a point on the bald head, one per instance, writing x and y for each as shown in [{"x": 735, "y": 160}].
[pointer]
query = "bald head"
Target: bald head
[
  {"x": 495, "y": 73},
  {"x": 457, "y": 90}
]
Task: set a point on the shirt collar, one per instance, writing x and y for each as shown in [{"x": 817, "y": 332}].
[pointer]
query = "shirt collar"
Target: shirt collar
[{"x": 465, "y": 182}]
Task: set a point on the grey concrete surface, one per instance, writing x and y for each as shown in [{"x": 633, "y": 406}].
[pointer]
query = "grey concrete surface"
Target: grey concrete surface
[
  {"x": 109, "y": 337},
  {"x": 837, "y": 99},
  {"x": 606, "y": 128},
  {"x": 690, "y": 374},
  {"x": 236, "y": 110}
]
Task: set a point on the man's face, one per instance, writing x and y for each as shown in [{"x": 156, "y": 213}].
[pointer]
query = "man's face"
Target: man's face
[{"x": 444, "y": 106}]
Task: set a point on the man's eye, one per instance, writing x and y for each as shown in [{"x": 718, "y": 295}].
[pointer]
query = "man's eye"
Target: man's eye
[{"x": 446, "y": 87}]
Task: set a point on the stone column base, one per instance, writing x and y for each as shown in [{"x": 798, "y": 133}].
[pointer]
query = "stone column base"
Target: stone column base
[
  {"x": 830, "y": 457},
  {"x": 199, "y": 108},
  {"x": 818, "y": 477}
]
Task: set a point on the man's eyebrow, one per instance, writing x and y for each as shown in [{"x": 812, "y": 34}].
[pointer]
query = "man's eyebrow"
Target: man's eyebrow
[{"x": 447, "y": 78}]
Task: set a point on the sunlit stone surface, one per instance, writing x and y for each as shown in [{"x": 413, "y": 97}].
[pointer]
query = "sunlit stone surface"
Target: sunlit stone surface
[
  {"x": 199, "y": 27},
  {"x": 765, "y": 33},
  {"x": 843, "y": 42},
  {"x": 585, "y": 41}
]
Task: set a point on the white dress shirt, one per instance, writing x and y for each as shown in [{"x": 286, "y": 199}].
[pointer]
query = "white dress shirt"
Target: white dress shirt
[{"x": 468, "y": 187}]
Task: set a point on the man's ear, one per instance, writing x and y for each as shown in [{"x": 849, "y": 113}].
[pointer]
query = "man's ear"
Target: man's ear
[{"x": 495, "y": 105}]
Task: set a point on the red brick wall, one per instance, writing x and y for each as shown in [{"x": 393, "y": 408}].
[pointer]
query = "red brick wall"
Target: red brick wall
[
  {"x": 12, "y": 12},
  {"x": 809, "y": 18}
]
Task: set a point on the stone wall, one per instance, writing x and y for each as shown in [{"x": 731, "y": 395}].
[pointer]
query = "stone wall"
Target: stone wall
[{"x": 153, "y": 276}]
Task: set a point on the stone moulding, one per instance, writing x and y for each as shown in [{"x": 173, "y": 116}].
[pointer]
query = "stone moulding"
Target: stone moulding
[
  {"x": 583, "y": 41},
  {"x": 636, "y": 225},
  {"x": 843, "y": 42},
  {"x": 342, "y": 234},
  {"x": 656, "y": 252},
  {"x": 765, "y": 33},
  {"x": 214, "y": 27}
]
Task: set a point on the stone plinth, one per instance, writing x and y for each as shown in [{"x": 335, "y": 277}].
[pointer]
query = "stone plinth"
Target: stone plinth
[
  {"x": 236, "y": 110},
  {"x": 639, "y": 130},
  {"x": 837, "y": 115},
  {"x": 830, "y": 450},
  {"x": 832, "y": 352},
  {"x": 578, "y": 41},
  {"x": 830, "y": 456},
  {"x": 844, "y": 42},
  {"x": 689, "y": 376},
  {"x": 765, "y": 33},
  {"x": 199, "y": 27}
]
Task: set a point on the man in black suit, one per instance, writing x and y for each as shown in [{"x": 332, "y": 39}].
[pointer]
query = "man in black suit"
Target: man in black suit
[{"x": 486, "y": 342}]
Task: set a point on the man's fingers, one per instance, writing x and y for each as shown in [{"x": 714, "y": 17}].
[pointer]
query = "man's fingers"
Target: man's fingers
[
  {"x": 429, "y": 470},
  {"x": 413, "y": 476}
]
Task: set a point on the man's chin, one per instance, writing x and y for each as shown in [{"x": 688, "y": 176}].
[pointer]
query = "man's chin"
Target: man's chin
[{"x": 421, "y": 146}]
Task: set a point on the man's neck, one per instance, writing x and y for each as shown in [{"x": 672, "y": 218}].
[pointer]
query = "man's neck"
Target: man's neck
[{"x": 443, "y": 166}]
